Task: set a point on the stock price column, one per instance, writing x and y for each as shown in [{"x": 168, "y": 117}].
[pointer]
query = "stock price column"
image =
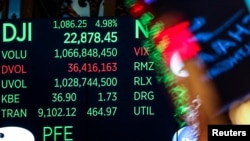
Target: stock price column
[
  {"x": 107, "y": 94},
  {"x": 90, "y": 70},
  {"x": 102, "y": 67},
  {"x": 68, "y": 81},
  {"x": 84, "y": 78}
]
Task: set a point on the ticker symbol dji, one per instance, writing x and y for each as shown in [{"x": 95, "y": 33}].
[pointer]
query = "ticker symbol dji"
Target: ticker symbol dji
[{"x": 10, "y": 32}]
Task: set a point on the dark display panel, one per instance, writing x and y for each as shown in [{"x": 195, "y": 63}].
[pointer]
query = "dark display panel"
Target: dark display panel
[
  {"x": 81, "y": 79},
  {"x": 90, "y": 78}
]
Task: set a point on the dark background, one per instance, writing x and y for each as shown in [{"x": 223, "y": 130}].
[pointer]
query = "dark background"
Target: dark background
[{"x": 232, "y": 84}]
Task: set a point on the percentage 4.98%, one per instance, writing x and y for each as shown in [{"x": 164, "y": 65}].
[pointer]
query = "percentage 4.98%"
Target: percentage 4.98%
[{"x": 106, "y": 23}]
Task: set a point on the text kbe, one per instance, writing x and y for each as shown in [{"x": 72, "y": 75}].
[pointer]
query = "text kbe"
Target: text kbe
[{"x": 11, "y": 33}]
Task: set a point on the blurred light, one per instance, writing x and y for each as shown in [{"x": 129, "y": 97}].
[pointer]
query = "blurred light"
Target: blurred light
[
  {"x": 177, "y": 65},
  {"x": 197, "y": 23},
  {"x": 12, "y": 133},
  {"x": 137, "y": 10},
  {"x": 204, "y": 37},
  {"x": 14, "y": 9},
  {"x": 239, "y": 112},
  {"x": 180, "y": 39},
  {"x": 149, "y": 1},
  {"x": 247, "y": 2},
  {"x": 81, "y": 11},
  {"x": 129, "y": 3},
  {"x": 184, "y": 134}
]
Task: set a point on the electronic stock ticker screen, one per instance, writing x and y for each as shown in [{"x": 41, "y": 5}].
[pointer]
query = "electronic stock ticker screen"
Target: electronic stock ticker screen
[{"x": 81, "y": 79}]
